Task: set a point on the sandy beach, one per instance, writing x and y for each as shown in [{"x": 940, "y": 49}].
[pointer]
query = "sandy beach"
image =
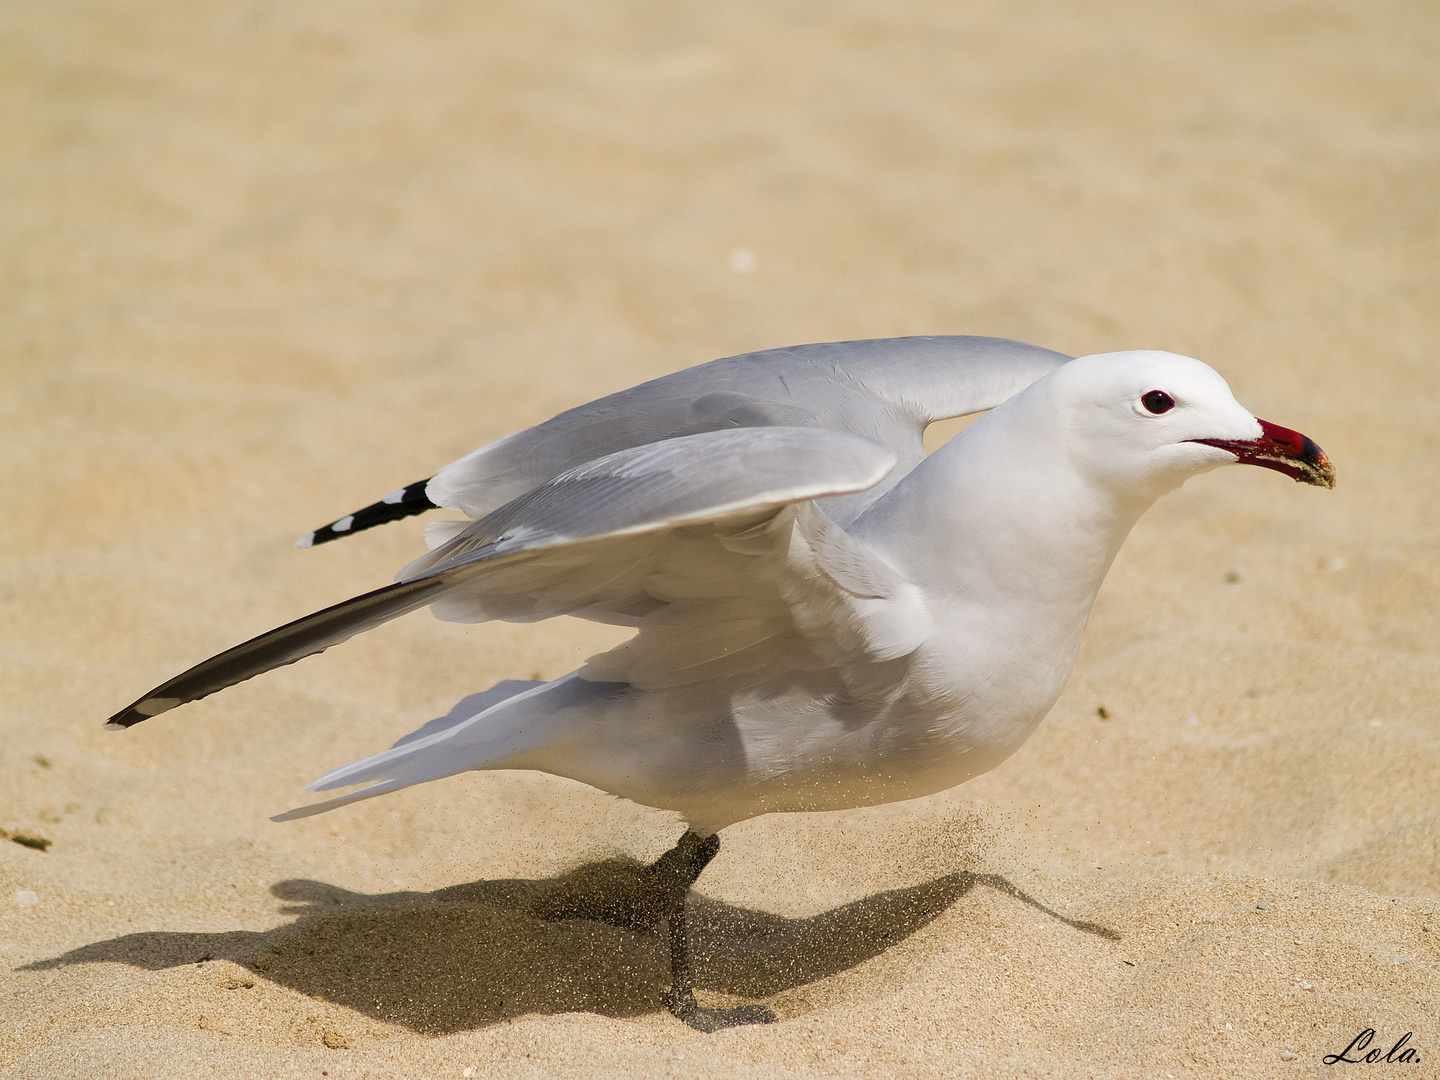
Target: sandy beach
[{"x": 263, "y": 263}]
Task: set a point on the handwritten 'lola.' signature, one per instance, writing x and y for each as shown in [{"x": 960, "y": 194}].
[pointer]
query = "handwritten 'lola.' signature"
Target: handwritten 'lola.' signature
[{"x": 1395, "y": 1054}]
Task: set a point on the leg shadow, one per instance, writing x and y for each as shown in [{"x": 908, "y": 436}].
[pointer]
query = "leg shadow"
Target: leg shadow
[{"x": 471, "y": 955}]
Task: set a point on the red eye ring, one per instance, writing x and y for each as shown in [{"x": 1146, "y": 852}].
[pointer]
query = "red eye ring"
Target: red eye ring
[{"x": 1157, "y": 401}]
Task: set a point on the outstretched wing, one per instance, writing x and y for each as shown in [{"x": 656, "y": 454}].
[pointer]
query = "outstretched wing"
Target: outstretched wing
[
  {"x": 590, "y": 540},
  {"x": 886, "y": 390}
]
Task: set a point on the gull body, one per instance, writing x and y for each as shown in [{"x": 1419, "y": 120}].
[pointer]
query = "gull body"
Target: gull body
[{"x": 974, "y": 577}]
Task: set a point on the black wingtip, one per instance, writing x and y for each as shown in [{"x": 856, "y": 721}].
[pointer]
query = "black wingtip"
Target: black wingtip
[
  {"x": 286, "y": 644},
  {"x": 402, "y": 503}
]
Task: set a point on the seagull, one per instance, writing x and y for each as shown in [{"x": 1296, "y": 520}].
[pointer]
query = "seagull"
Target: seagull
[{"x": 825, "y": 617}]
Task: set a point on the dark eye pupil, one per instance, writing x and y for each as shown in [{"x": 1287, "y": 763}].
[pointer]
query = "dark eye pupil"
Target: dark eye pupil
[{"x": 1157, "y": 401}]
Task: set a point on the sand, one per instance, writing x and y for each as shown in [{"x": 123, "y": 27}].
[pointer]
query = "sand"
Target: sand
[{"x": 265, "y": 262}]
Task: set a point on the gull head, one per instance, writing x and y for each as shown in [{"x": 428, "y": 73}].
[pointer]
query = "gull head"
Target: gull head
[{"x": 1146, "y": 421}]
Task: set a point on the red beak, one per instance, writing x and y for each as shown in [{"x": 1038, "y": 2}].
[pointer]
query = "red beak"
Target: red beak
[{"x": 1283, "y": 450}]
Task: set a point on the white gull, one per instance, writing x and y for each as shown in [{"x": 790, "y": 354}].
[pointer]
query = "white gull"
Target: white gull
[{"x": 825, "y": 617}]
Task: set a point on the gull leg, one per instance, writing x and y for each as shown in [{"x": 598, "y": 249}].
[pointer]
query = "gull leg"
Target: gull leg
[{"x": 676, "y": 871}]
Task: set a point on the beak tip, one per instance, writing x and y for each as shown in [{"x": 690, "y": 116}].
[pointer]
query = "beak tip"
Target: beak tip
[{"x": 1315, "y": 466}]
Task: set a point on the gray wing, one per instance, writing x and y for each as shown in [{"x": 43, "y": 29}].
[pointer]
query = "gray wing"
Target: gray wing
[
  {"x": 576, "y": 543},
  {"x": 887, "y": 390}
]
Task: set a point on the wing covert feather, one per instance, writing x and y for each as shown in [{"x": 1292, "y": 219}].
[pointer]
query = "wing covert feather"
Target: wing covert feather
[{"x": 794, "y": 592}]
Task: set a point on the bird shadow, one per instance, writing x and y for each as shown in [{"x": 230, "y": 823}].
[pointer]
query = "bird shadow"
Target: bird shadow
[{"x": 471, "y": 955}]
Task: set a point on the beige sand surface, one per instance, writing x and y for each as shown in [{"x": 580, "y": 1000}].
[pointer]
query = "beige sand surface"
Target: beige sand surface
[{"x": 265, "y": 261}]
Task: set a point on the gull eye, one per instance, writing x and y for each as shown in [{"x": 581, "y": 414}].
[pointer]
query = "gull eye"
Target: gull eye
[{"x": 1157, "y": 401}]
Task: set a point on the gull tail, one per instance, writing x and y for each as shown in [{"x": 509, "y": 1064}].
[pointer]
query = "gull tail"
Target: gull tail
[
  {"x": 401, "y": 503},
  {"x": 508, "y": 726}
]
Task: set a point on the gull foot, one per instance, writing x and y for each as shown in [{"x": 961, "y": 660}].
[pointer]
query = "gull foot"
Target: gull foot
[{"x": 684, "y": 1007}]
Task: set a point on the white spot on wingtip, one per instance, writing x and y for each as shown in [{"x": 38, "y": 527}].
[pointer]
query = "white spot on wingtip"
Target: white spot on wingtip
[
  {"x": 308, "y": 540},
  {"x": 112, "y": 726},
  {"x": 394, "y": 496},
  {"x": 343, "y": 525}
]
